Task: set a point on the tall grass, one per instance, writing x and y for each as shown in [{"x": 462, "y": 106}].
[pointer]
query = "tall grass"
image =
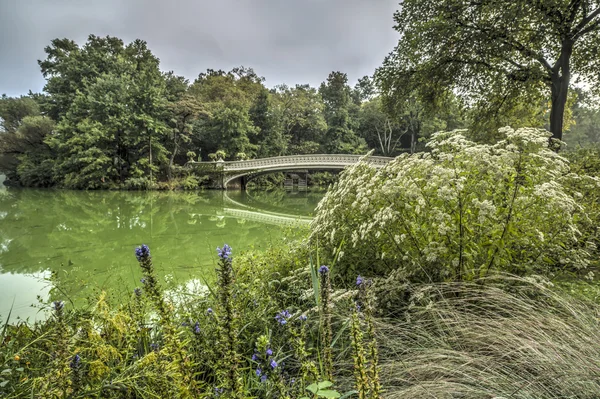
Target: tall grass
[{"x": 499, "y": 338}]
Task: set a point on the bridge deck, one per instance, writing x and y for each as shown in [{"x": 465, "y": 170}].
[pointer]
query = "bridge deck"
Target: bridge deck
[{"x": 311, "y": 161}]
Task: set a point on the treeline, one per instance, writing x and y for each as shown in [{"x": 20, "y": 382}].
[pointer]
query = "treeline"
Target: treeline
[{"x": 109, "y": 118}]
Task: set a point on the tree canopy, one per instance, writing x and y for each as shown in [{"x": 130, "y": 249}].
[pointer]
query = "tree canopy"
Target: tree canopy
[{"x": 501, "y": 55}]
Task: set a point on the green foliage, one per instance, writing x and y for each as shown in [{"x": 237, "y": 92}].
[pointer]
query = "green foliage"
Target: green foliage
[
  {"x": 340, "y": 136},
  {"x": 460, "y": 212},
  {"x": 117, "y": 121},
  {"x": 503, "y": 56}
]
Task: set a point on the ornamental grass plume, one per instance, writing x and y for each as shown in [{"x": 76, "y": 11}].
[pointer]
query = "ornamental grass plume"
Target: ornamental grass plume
[{"x": 498, "y": 337}]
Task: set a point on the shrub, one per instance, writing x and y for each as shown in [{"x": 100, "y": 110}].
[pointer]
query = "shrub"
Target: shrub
[{"x": 458, "y": 212}]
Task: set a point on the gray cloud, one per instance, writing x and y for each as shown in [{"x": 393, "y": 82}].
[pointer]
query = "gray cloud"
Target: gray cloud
[{"x": 286, "y": 41}]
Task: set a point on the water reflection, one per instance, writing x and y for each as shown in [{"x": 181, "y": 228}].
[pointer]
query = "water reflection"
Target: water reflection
[{"x": 87, "y": 238}]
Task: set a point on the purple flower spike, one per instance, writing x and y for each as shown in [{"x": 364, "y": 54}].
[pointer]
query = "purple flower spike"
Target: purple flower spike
[
  {"x": 359, "y": 280},
  {"x": 225, "y": 252},
  {"x": 273, "y": 364},
  {"x": 269, "y": 352},
  {"x": 75, "y": 362},
  {"x": 142, "y": 252},
  {"x": 282, "y": 317},
  {"x": 323, "y": 269}
]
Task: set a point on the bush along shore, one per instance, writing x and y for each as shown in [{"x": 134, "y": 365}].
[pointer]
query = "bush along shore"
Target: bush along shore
[{"x": 464, "y": 272}]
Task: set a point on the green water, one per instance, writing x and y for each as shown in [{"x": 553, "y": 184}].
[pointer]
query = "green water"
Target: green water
[{"x": 87, "y": 239}]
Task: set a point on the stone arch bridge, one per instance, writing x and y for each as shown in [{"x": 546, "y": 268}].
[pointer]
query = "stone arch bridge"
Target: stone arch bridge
[{"x": 244, "y": 171}]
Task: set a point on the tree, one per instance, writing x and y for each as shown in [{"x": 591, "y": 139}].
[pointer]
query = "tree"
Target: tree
[
  {"x": 378, "y": 129},
  {"x": 183, "y": 113},
  {"x": 24, "y": 155},
  {"x": 340, "y": 136},
  {"x": 109, "y": 101},
  {"x": 300, "y": 112},
  {"x": 500, "y": 50},
  {"x": 269, "y": 139},
  {"x": 364, "y": 90},
  {"x": 228, "y": 98}
]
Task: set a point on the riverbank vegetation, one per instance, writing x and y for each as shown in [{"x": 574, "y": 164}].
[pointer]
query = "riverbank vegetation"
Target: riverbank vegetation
[{"x": 469, "y": 296}]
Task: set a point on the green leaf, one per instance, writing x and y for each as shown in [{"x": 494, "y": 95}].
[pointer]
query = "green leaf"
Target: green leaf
[
  {"x": 6, "y": 371},
  {"x": 3, "y": 383},
  {"x": 328, "y": 394},
  {"x": 348, "y": 394},
  {"x": 313, "y": 388},
  {"x": 324, "y": 384}
]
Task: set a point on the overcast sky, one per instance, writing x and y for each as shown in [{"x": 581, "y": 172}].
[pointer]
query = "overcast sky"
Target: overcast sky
[{"x": 286, "y": 41}]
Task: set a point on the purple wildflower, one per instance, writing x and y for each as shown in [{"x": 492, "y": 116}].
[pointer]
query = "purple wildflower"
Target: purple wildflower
[
  {"x": 359, "y": 280},
  {"x": 143, "y": 280},
  {"x": 142, "y": 252},
  {"x": 154, "y": 346},
  {"x": 269, "y": 352},
  {"x": 302, "y": 317},
  {"x": 137, "y": 292},
  {"x": 75, "y": 362},
  {"x": 209, "y": 311},
  {"x": 263, "y": 378},
  {"x": 197, "y": 328},
  {"x": 323, "y": 269},
  {"x": 255, "y": 357},
  {"x": 225, "y": 252},
  {"x": 282, "y": 317},
  {"x": 58, "y": 305},
  {"x": 273, "y": 364},
  {"x": 258, "y": 372}
]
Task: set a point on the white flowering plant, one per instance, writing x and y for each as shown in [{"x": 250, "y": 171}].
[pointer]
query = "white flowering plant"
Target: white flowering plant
[{"x": 461, "y": 211}]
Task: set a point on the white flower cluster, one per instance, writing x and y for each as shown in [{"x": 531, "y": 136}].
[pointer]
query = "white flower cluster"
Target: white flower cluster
[{"x": 460, "y": 211}]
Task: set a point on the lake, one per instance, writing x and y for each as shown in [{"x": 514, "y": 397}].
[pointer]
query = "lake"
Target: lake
[{"x": 85, "y": 240}]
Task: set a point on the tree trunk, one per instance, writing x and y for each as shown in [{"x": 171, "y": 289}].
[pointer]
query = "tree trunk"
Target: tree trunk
[
  {"x": 561, "y": 78},
  {"x": 173, "y": 159},
  {"x": 150, "y": 157}
]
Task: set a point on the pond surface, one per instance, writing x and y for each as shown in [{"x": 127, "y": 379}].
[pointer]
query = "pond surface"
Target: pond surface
[{"x": 86, "y": 240}]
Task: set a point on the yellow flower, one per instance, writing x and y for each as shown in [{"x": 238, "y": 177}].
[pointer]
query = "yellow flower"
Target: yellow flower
[{"x": 17, "y": 358}]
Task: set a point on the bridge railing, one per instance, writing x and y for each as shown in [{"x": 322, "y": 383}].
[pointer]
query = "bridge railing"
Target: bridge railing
[{"x": 296, "y": 160}]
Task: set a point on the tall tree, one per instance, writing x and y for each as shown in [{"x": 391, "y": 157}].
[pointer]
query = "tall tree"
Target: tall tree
[
  {"x": 498, "y": 50},
  {"x": 228, "y": 97},
  {"x": 300, "y": 111},
  {"x": 340, "y": 137},
  {"x": 109, "y": 100}
]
